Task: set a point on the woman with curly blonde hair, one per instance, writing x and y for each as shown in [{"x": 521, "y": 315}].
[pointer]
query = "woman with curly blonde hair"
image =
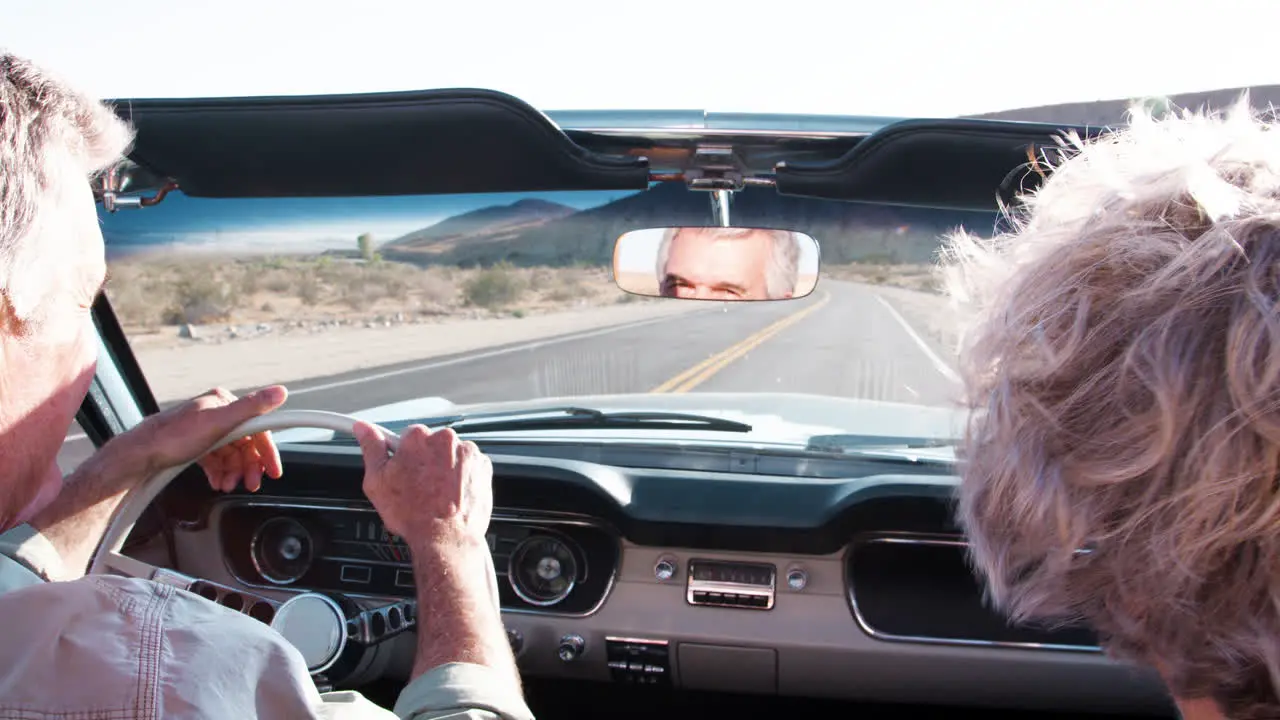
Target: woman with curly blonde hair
[{"x": 1122, "y": 460}]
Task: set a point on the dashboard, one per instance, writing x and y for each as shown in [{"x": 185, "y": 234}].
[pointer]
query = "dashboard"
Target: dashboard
[
  {"x": 564, "y": 565},
  {"x": 705, "y": 570}
]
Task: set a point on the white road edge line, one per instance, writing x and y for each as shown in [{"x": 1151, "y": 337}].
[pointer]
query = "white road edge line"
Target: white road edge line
[
  {"x": 938, "y": 363},
  {"x": 487, "y": 354}
]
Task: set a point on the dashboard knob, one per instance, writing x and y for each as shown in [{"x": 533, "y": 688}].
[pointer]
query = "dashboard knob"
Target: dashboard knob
[
  {"x": 797, "y": 579},
  {"x": 665, "y": 569},
  {"x": 516, "y": 639},
  {"x": 571, "y": 647}
]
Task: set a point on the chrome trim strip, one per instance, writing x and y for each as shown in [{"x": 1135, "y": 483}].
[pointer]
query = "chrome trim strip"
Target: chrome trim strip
[
  {"x": 936, "y": 540},
  {"x": 507, "y": 515},
  {"x": 362, "y": 561},
  {"x": 697, "y": 132},
  {"x": 549, "y": 516},
  {"x": 635, "y": 641}
]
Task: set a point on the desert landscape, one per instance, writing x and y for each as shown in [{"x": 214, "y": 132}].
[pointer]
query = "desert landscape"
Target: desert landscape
[
  {"x": 162, "y": 301},
  {"x": 199, "y": 300}
]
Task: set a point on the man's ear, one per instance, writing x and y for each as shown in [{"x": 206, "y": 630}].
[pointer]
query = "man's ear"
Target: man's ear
[{"x": 11, "y": 323}]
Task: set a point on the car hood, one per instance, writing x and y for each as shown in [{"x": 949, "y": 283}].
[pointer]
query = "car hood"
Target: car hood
[{"x": 777, "y": 419}]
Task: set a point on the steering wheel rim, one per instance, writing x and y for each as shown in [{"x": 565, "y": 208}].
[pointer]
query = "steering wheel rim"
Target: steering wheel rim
[{"x": 108, "y": 559}]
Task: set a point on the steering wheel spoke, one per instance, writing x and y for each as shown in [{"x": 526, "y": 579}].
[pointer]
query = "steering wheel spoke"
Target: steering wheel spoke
[{"x": 115, "y": 563}]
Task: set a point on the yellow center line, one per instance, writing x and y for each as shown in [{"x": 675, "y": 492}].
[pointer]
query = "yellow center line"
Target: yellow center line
[{"x": 698, "y": 374}]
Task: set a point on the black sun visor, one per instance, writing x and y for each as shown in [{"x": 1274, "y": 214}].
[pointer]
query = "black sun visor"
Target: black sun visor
[
  {"x": 958, "y": 164},
  {"x": 438, "y": 142},
  {"x": 409, "y": 143}
]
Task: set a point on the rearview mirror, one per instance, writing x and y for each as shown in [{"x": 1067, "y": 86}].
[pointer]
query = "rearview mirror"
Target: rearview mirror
[{"x": 716, "y": 263}]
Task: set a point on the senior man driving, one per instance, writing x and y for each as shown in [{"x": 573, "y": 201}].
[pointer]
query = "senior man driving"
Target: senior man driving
[{"x": 105, "y": 646}]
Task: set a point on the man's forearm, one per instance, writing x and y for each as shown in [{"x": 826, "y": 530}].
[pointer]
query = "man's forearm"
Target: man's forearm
[
  {"x": 75, "y": 520},
  {"x": 457, "y": 618}
]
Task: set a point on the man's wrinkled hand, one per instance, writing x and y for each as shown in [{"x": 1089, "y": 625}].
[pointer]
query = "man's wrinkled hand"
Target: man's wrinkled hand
[
  {"x": 436, "y": 490},
  {"x": 185, "y": 432}
]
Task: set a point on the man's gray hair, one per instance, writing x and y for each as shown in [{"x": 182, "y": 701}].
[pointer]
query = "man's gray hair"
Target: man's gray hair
[
  {"x": 44, "y": 124},
  {"x": 783, "y": 271}
]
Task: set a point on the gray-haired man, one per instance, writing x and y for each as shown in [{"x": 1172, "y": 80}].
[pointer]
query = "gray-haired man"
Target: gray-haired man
[
  {"x": 726, "y": 263},
  {"x": 106, "y": 646}
]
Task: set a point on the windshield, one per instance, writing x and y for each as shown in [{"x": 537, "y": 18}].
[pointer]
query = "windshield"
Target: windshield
[
  {"x": 407, "y": 308},
  {"x": 251, "y": 291}
]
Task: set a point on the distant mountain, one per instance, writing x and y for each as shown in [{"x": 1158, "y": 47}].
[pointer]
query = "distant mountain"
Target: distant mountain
[
  {"x": 485, "y": 225},
  {"x": 845, "y": 231},
  {"x": 1112, "y": 112}
]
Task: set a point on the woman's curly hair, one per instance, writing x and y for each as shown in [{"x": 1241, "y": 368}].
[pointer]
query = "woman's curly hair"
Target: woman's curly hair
[{"x": 1122, "y": 460}]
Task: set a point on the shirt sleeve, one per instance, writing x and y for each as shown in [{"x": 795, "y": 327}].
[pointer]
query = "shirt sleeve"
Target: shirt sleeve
[
  {"x": 456, "y": 691},
  {"x": 350, "y": 705},
  {"x": 28, "y": 558},
  {"x": 462, "y": 691}
]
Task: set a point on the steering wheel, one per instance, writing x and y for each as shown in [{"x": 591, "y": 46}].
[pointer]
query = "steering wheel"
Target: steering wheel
[{"x": 316, "y": 624}]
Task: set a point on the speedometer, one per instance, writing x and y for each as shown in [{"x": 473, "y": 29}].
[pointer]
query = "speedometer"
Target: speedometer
[
  {"x": 281, "y": 550},
  {"x": 543, "y": 570}
]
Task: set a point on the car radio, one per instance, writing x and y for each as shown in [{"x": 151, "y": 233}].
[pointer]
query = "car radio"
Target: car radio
[{"x": 731, "y": 584}]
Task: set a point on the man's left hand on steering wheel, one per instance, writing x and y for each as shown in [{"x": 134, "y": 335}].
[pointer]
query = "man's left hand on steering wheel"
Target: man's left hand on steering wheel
[{"x": 182, "y": 433}]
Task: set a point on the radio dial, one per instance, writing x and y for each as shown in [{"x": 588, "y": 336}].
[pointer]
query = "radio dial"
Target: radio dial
[
  {"x": 665, "y": 569},
  {"x": 571, "y": 647},
  {"x": 797, "y": 579},
  {"x": 515, "y": 638}
]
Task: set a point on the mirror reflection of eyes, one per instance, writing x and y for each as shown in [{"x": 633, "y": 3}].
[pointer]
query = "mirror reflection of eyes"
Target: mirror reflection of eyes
[
  {"x": 678, "y": 287},
  {"x": 716, "y": 263}
]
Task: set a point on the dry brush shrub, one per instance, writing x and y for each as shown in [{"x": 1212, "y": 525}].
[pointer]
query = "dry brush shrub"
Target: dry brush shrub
[
  {"x": 493, "y": 287},
  {"x": 206, "y": 289}
]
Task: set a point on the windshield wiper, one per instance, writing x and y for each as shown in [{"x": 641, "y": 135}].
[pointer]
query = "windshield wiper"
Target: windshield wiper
[
  {"x": 581, "y": 417},
  {"x": 857, "y": 443}
]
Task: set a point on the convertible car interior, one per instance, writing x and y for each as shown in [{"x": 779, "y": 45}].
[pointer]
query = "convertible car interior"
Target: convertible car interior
[{"x": 645, "y": 577}]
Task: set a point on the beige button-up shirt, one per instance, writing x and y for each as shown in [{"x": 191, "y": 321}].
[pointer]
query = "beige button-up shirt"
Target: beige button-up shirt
[{"x": 110, "y": 648}]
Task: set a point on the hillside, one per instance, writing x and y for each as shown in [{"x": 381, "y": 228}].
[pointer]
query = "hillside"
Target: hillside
[
  {"x": 497, "y": 222},
  {"x": 1112, "y": 112},
  {"x": 846, "y": 232}
]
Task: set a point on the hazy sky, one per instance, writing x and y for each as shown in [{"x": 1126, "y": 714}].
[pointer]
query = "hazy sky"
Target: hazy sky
[{"x": 895, "y": 57}]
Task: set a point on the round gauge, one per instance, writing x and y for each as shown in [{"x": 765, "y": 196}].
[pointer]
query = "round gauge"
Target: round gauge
[
  {"x": 282, "y": 550},
  {"x": 542, "y": 570}
]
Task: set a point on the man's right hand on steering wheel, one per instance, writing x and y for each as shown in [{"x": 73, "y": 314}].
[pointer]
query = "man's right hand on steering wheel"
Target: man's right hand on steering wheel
[{"x": 435, "y": 491}]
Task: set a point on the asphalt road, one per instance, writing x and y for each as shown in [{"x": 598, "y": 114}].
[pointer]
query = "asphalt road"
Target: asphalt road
[{"x": 844, "y": 340}]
